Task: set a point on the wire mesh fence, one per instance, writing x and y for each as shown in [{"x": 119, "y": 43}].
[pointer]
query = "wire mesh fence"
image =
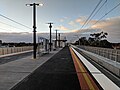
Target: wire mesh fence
[
  {"x": 9, "y": 50},
  {"x": 111, "y": 54}
]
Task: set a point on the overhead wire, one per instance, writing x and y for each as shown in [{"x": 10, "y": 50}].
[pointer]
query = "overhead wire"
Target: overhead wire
[
  {"x": 97, "y": 11},
  {"x": 14, "y": 21},
  {"x": 107, "y": 13},
  {"x": 10, "y": 25},
  {"x": 91, "y": 13}
]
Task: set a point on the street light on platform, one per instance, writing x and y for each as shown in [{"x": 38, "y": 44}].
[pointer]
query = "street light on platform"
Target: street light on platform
[
  {"x": 59, "y": 39},
  {"x": 50, "y": 26},
  {"x": 34, "y": 27},
  {"x": 56, "y": 39}
]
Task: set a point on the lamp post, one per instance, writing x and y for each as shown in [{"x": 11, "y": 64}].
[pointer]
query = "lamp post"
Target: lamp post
[
  {"x": 56, "y": 39},
  {"x": 59, "y": 40},
  {"x": 34, "y": 27},
  {"x": 50, "y": 26}
]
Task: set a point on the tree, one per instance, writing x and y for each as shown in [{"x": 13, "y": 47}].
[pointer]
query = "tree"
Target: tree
[
  {"x": 96, "y": 38},
  {"x": 83, "y": 41},
  {"x": 99, "y": 36},
  {"x": 105, "y": 44},
  {"x": 91, "y": 41}
]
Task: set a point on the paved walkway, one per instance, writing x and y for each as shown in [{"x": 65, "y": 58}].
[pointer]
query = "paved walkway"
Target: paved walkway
[
  {"x": 15, "y": 71},
  {"x": 58, "y": 73},
  {"x": 54, "y": 71}
]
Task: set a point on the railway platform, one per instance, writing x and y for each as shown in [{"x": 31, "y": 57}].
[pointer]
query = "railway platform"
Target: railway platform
[{"x": 65, "y": 69}]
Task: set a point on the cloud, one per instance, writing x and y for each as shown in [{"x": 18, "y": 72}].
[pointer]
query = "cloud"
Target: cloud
[
  {"x": 63, "y": 19},
  {"x": 72, "y": 23},
  {"x": 109, "y": 25},
  {"x": 109, "y": 22},
  {"x": 62, "y": 28},
  {"x": 74, "y": 30},
  {"x": 16, "y": 37},
  {"x": 80, "y": 20},
  {"x": 24, "y": 37},
  {"x": 88, "y": 31}
]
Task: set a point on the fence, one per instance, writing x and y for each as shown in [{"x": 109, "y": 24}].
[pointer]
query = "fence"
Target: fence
[
  {"x": 111, "y": 54},
  {"x": 9, "y": 50}
]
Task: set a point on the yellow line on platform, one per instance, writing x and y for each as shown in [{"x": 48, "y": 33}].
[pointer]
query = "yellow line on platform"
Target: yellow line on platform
[{"x": 87, "y": 79}]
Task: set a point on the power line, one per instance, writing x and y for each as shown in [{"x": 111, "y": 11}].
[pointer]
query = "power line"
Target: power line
[
  {"x": 14, "y": 21},
  {"x": 10, "y": 25},
  {"x": 91, "y": 13},
  {"x": 97, "y": 11},
  {"x": 106, "y": 13}
]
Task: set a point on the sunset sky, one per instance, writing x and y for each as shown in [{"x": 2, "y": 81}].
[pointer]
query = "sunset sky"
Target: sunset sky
[{"x": 68, "y": 17}]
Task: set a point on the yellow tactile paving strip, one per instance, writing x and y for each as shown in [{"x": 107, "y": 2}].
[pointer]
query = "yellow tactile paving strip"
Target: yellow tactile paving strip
[{"x": 86, "y": 81}]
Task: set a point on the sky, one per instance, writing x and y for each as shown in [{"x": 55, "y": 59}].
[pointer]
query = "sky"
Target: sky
[{"x": 68, "y": 17}]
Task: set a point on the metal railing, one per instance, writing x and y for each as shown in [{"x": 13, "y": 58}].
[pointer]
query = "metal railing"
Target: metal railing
[
  {"x": 111, "y": 54},
  {"x": 9, "y": 50}
]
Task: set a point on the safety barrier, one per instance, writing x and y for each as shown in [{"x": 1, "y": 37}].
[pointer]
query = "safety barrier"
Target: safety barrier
[
  {"x": 111, "y": 54},
  {"x": 9, "y": 50}
]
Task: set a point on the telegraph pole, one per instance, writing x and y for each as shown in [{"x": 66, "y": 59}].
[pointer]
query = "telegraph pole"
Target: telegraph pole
[
  {"x": 50, "y": 26},
  {"x": 59, "y": 40},
  {"x": 34, "y": 27},
  {"x": 56, "y": 39}
]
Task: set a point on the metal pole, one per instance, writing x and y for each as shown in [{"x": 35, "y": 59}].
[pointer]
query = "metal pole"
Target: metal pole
[
  {"x": 34, "y": 30},
  {"x": 50, "y": 35},
  {"x": 56, "y": 39},
  {"x": 59, "y": 40}
]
